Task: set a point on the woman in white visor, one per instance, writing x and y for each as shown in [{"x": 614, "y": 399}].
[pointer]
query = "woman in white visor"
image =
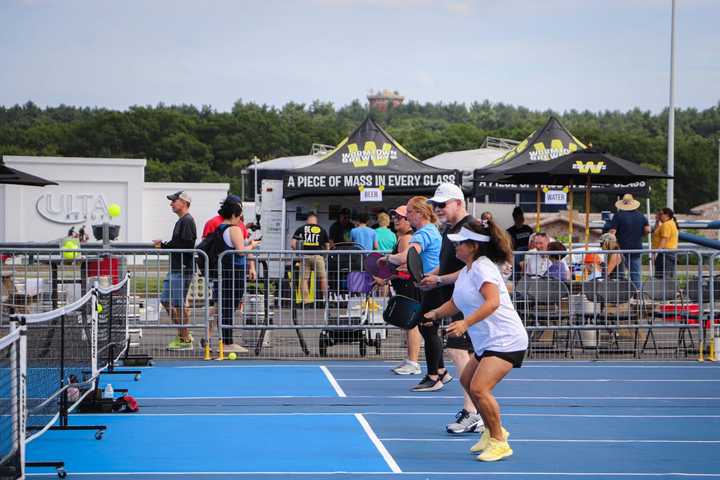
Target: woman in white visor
[{"x": 497, "y": 333}]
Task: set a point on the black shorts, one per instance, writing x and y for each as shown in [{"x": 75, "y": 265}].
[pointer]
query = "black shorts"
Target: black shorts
[
  {"x": 514, "y": 358},
  {"x": 458, "y": 343}
]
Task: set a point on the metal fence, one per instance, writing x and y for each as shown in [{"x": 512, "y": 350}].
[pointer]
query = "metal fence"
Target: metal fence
[{"x": 300, "y": 304}]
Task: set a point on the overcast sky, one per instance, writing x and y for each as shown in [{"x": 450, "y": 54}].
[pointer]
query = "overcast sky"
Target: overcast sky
[{"x": 559, "y": 54}]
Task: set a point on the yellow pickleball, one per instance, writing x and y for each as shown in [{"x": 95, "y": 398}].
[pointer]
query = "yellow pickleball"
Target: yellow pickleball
[
  {"x": 232, "y": 355},
  {"x": 114, "y": 210},
  {"x": 70, "y": 245},
  {"x": 99, "y": 308}
]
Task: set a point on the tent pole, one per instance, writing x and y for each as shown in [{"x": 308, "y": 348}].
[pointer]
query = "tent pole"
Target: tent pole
[
  {"x": 587, "y": 212},
  {"x": 537, "y": 209},
  {"x": 651, "y": 264},
  {"x": 282, "y": 226},
  {"x": 570, "y": 215},
  {"x": 474, "y": 214}
]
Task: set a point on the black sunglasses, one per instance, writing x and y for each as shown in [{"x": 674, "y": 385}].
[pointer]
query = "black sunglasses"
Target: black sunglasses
[
  {"x": 395, "y": 216},
  {"x": 439, "y": 205}
]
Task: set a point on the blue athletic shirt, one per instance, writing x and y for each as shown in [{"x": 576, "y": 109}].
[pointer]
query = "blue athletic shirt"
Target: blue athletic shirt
[{"x": 429, "y": 239}]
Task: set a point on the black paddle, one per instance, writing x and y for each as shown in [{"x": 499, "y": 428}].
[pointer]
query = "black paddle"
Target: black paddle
[{"x": 414, "y": 265}]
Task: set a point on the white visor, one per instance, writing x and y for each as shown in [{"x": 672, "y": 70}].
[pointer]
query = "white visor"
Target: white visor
[{"x": 465, "y": 234}]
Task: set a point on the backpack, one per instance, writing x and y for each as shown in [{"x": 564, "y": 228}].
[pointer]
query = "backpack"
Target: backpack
[{"x": 213, "y": 245}]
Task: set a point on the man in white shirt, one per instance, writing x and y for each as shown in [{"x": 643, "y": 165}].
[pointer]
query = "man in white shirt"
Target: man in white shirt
[{"x": 535, "y": 264}]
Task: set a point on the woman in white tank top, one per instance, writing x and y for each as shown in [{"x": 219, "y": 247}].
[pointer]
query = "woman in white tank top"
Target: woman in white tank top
[{"x": 496, "y": 330}]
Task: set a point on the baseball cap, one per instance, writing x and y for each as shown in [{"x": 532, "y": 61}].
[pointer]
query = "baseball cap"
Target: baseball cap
[
  {"x": 445, "y": 192},
  {"x": 401, "y": 210},
  {"x": 232, "y": 198},
  {"x": 182, "y": 195}
]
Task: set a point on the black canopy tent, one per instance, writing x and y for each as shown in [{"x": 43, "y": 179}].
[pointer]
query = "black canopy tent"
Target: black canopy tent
[
  {"x": 551, "y": 141},
  {"x": 368, "y": 158},
  {"x": 587, "y": 167}
]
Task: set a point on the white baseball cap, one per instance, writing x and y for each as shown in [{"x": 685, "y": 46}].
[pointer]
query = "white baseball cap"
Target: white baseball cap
[{"x": 445, "y": 192}]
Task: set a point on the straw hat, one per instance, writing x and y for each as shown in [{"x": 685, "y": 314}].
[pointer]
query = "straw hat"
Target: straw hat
[{"x": 627, "y": 203}]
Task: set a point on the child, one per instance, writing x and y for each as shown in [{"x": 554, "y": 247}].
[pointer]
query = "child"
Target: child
[{"x": 558, "y": 269}]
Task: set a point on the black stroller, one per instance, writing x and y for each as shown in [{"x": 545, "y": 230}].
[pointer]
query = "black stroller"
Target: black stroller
[{"x": 350, "y": 304}]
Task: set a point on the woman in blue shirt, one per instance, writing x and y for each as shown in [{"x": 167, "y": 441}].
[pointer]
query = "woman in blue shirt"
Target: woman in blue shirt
[{"x": 427, "y": 241}]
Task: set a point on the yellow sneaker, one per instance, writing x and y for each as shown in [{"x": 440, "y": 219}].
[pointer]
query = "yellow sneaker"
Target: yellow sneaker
[
  {"x": 484, "y": 441},
  {"x": 495, "y": 451}
]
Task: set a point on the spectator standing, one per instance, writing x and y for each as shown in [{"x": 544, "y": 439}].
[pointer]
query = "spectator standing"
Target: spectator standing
[
  {"x": 364, "y": 235},
  {"x": 308, "y": 238},
  {"x": 629, "y": 226},
  {"x": 177, "y": 281},
  {"x": 235, "y": 269},
  {"x": 665, "y": 236},
  {"x": 449, "y": 206},
  {"x": 386, "y": 239},
  {"x": 215, "y": 221},
  {"x": 340, "y": 230},
  {"x": 519, "y": 236}
]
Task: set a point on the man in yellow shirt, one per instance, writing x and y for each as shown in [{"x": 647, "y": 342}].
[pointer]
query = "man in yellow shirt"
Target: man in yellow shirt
[{"x": 665, "y": 237}]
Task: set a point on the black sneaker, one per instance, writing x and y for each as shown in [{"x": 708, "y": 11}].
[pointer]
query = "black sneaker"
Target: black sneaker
[
  {"x": 446, "y": 377},
  {"x": 428, "y": 385}
]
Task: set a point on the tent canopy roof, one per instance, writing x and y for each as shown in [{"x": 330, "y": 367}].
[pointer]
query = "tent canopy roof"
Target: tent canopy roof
[{"x": 368, "y": 158}]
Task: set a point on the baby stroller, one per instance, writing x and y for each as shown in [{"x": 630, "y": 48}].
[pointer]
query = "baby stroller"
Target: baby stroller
[{"x": 350, "y": 303}]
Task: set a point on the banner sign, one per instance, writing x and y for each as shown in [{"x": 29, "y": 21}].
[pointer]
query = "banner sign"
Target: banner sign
[
  {"x": 638, "y": 188},
  {"x": 555, "y": 197},
  {"x": 371, "y": 195},
  {"x": 348, "y": 183}
]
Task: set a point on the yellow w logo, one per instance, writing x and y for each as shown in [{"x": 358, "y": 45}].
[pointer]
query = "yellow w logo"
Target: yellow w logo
[
  {"x": 589, "y": 167},
  {"x": 370, "y": 152}
]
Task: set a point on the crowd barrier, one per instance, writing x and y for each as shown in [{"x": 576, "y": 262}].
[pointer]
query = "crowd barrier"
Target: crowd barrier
[{"x": 300, "y": 304}]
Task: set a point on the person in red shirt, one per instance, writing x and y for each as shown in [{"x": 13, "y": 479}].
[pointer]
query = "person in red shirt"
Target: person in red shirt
[{"x": 212, "y": 224}]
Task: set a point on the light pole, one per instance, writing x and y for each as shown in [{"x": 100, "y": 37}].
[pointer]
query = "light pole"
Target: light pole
[{"x": 671, "y": 116}]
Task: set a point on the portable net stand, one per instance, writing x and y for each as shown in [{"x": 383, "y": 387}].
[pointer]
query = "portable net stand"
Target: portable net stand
[
  {"x": 12, "y": 436},
  {"x": 58, "y": 368}
]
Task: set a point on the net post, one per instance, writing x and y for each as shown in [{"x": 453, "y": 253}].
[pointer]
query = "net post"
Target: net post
[
  {"x": 94, "y": 334},
  {"x": 21, "y": 393}
]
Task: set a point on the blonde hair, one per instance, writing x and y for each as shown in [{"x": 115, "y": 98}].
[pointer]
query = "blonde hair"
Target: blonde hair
[
  {"x": 609, "y": 242},
  {"x": 420, "y": 205},
  {"x": 383, "y": 219}
]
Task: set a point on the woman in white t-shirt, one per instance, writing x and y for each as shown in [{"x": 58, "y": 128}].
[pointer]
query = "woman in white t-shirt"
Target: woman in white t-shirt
[{"x": 497, "y": 333}]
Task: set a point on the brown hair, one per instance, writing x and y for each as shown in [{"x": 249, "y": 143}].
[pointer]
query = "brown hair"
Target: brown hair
[
  {"x": 420, "y": 205},
  {"x": 499, "y": 249},
  {"x": 556, "y": 247}
]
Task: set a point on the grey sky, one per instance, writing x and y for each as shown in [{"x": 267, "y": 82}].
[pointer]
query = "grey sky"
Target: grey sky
[{"x": 559, "y": 54}]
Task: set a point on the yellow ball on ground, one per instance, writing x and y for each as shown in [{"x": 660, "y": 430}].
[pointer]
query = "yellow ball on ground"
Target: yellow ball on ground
[
  {"x": 114, "y": 210},
  {"x": 232, "y": 355}
]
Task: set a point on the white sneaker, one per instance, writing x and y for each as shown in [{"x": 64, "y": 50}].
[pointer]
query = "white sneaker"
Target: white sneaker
[
  {"x": 235, "y": 348},
  {"x": 465, "y": 422},
  {"x": 408, "y": 368}
]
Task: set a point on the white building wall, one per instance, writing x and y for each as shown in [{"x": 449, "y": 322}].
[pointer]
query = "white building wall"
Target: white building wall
[
  {"x": 158, "y": 217},
  {"x": 85, "y": 187}
]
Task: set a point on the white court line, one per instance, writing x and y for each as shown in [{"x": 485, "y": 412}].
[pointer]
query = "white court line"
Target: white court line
[
  {"x": 378, "y": 444},
  {"x": 333, "y": 382},
  {"x": 548, "y": 440},
  {"x": 425, "y": 474},
  {"x": 544, "y": 380},
  {"x": 680, "y": 365},
  {"x": 394, "y": 414},
  {"x": 423, "y": 397}
]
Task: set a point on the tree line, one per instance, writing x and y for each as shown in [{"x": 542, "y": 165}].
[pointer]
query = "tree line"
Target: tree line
[{"x": 184, "y": 143}]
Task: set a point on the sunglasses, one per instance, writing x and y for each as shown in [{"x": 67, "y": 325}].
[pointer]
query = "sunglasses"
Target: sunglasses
[
  {"x": 439, "y": 205},
  {"x": 398, "y": 217}
]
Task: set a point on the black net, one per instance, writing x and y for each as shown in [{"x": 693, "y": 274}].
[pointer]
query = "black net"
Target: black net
[
  {"x": 59, "y": 354},
  {"x": 112, "y": 326},
  {"x": 10, "y": 407}
]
